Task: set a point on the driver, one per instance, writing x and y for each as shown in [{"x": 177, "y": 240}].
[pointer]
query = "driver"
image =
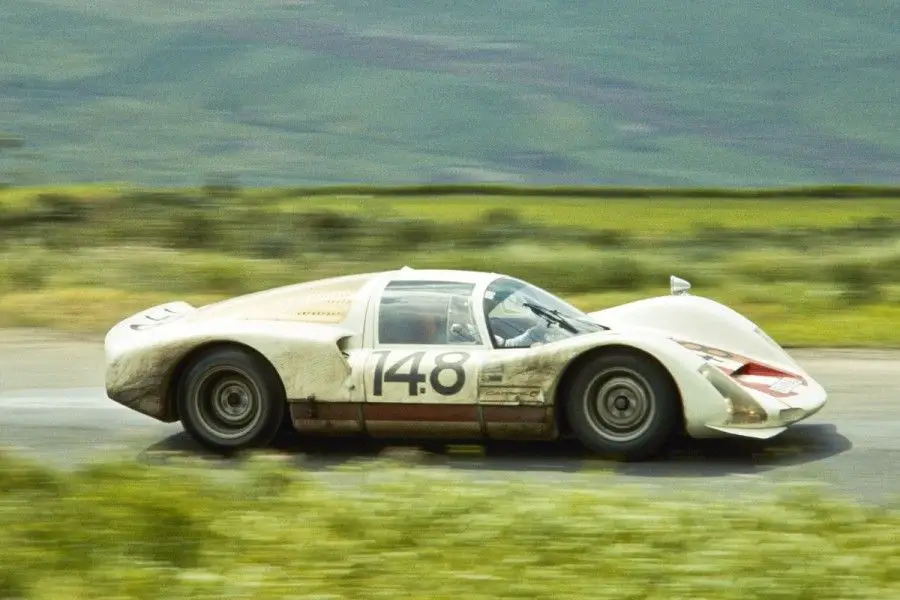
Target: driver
[{"x": 533, "y": 336}]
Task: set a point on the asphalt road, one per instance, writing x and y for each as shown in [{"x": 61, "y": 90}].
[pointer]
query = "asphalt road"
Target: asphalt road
[{"x": 53, "y": 407}]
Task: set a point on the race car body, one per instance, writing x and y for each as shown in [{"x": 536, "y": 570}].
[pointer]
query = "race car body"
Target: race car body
[{"x": 455, "y": 355}]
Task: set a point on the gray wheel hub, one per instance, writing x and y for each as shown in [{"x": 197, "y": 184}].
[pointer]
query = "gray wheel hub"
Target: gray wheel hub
[
  {"x": 232, "y": 401},
  {"x": 228, "y": 403},
  {"x": 620, "y": 405}
]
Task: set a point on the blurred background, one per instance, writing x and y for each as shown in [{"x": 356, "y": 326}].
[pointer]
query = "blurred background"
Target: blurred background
[
  {"x": 163, "y": 149},
  {"x": 297, "y": 92}
]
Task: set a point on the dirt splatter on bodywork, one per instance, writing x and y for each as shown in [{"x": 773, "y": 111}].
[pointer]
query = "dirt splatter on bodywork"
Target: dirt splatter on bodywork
[
  {"x": 307, "y": 358},
  {"x": 299, "y": 329},
  {"x": 467, "y": 421},
  {"x": 139, "y": 380},
  {"x": 525, "y": 376}
]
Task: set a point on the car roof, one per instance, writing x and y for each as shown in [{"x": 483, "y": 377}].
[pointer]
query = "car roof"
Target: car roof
[{"x": 410, "y": 274}]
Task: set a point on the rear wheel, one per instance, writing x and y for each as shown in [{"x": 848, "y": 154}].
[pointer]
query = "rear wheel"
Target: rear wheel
[
  {"x": 230, "y": 399},
  {"x": 623, "y": 405}
]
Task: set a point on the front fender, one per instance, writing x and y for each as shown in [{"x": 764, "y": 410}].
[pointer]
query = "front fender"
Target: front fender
[
  {"x": 700, "y": 401},
  {"x": 699, "y": 320},
  {"x": 542, "y": 369}
]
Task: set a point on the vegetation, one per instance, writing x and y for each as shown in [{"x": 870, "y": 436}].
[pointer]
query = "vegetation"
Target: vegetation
[
  {"x": 816, "y": 270},
  {"x": 116, "y": 530},
  {"x": 310, "y": 93}
]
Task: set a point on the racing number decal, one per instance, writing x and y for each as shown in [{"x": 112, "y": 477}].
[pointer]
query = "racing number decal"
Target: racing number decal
[
  {"x": 441, "y": 365},
  {"x": 710, "y": 353},
  {"x": 414, "y": 378},
  {"x": 715, "y": 355}
]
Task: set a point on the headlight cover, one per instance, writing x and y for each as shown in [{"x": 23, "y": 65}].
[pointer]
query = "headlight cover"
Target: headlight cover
[{"x": 742, "y": 408}]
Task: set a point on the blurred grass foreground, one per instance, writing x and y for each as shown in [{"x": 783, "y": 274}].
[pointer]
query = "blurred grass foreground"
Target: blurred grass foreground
[
  {"x": 116, "y": 531},
  {"x": 813, "y": 266}
]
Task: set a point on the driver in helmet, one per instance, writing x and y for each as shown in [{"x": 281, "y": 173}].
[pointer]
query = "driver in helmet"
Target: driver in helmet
[{"x": 533, "y": 336}]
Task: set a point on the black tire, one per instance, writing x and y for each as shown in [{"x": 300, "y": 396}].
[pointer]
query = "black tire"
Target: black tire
[
  {"x": 230, "y": 384},
  {"x": 623, "y": 405}
]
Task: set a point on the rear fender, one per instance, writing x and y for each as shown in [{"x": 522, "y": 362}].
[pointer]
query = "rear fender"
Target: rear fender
[{"x": 307, "y": 357}]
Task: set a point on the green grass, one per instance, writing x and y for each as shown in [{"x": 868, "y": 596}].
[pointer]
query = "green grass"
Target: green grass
[
  {"x": 645, "y": 216},
  {"x": 810, "y": 270},
  {"x": 118, "y": 530}
]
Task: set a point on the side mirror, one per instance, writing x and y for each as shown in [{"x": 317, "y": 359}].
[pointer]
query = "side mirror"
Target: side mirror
[{"x": 678, "y": 286}]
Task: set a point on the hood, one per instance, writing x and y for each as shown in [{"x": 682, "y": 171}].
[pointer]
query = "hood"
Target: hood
[{"x": 702, "y": 323}]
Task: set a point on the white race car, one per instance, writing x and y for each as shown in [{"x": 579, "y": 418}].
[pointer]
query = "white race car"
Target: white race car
[{"x": 455, "y": 355}]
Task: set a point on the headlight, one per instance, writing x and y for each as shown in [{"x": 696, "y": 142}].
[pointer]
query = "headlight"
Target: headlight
[
  {"x": 742, "y": 408},
  {"x": 775, "y": 345},
  {"x": 790, "y": 415}
]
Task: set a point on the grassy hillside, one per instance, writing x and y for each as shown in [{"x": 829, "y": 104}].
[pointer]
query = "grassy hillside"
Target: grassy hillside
[
  {"x": 392, "y": 91},
  {"x": 811, "y": 271}
]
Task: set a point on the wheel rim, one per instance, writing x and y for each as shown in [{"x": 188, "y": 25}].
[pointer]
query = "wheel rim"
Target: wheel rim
[
  {"x": 620, "y": 405},
  {"x": 228, "y": 403}
]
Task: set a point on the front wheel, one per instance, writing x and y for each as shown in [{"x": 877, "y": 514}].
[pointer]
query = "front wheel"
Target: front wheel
[
  {"x": 623, "y": 405},
  {"x": 231, "y": 400}
]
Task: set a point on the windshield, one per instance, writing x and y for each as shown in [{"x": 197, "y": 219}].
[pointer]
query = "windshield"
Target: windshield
[{"x": 513, "y": 307}]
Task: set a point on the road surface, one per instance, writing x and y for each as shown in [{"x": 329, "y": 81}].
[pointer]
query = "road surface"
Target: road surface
[{"x": 53, "y": 407}]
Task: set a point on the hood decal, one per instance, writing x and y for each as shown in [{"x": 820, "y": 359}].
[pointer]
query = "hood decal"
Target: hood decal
[
  {"x": 725, "y": 360},
  {"x": 750, "y": 373}
]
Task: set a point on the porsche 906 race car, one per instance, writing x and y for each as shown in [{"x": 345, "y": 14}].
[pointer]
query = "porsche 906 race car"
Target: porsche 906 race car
[{"x": 455, "y": 355}]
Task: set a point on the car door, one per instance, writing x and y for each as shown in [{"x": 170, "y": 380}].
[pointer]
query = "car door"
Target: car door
[{"x": 421, "y": 373}]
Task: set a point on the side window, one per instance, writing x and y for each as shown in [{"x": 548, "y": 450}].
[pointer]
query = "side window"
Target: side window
[{"x": 427, "y": 312}]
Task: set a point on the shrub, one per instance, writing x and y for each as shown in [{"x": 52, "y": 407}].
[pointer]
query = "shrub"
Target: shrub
[
  {"x": 858, "y": 282},
  {"x": 192, "y": 228},
  {"x": 160, "y": 200},
  {"x": 331, "y": 227},
  {"x": 408, "y": 233},
  {"x": 607, "y": 238},
  {"x": 60, "y": 208},
  {"x": 622, "y": 273},
  {"x": 272, "y": 245},
  {"x": 24, "y": 270},
  {"x": 501, "y": 217}
]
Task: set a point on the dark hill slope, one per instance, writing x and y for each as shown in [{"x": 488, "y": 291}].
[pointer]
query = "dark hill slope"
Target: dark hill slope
[{"x": 551, "y": 91}]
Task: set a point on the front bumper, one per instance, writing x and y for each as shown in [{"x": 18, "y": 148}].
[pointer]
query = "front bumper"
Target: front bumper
[
  {"x": 755, "y": 414},
  {"x": 774, "y": 425}
]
